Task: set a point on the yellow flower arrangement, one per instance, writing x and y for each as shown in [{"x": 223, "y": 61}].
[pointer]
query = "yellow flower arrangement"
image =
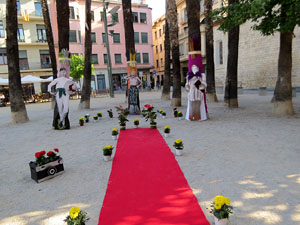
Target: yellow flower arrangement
[
  {"x": 76, "y": 216},
  {"x": 178, "y": 144},
  {"x": 178, "y": 141},
  {"x": 167, "y": 129},
  {"x": 74, "y": 212},
  {"x": 136, "y": 122},
  {"x": 107, "y": 150},
  {"x": 221, "y": 208},
  {"x": 114, "y": 131}
]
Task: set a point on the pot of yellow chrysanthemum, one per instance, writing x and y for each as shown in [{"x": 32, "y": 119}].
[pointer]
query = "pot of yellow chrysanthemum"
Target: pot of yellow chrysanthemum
[
  {"x": 221, "y": 210},
  {"x": 167, "y": 130},
  {"x": 107, "y": 152},
  {"x": 76, "y": 217},
  {"x": 136, "y": 123},
  {"x": 114, "y": 133},
  {"x": 178, "y": 144}
]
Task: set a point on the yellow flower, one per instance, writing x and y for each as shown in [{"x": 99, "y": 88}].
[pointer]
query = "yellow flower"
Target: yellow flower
[
  {"x": 218, "y": 206},
  {"x": 136, "y": 120},
  {"x": 114, "y": 129},
  {"x": 167, "y": 127},
  {"x": 227, "y": 201},
  {"x": 160, "y": 110},
  {"x": 219, "y": 199},
  {"x": 178, "y": 141},
  {"x": 74, "y": 212},
  {"x": 109, "y": 146},
  {"x": 81, "y": 118}
]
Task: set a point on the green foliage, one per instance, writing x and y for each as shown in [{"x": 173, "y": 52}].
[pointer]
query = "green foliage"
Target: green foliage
[
  {"x": 123, "y": 113},
  {"x": 268, "y": 16},
  {"x": 79, "y": 220},
  {"x": 222, "y": 213},
  {"x": 77, "y": 67}
]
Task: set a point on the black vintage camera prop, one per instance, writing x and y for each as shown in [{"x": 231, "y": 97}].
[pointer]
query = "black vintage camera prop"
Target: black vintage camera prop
[{"x": 46, "y": 171}]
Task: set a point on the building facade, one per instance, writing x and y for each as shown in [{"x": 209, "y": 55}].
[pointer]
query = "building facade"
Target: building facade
[{"x": 34, "y": 52}]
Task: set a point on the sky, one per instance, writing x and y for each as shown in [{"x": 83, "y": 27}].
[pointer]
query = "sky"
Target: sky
[{"x": 158, "y": 8}]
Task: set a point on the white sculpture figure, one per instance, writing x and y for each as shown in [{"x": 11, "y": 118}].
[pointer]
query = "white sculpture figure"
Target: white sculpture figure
[
  {"x": 64, "y": 87},
  {"x": 195, "y": 85}
]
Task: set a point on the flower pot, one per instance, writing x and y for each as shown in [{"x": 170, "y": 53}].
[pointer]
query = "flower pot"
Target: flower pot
[
  {"x": 114, "y": 137},
  {"x": 163, "y": 117},
  {"x": 153, "y": 126},
  {"x": 107, "y": 157},
  {"x": 46, "y": 171},
  {"x": 110, "y": 116},
  {"x": 179, "y": 151},
  {"x": 81, "y": 124},
  {"x": 175, "y": 116},
  {"x": 122, "y": 127},
  {"x": 136, "y": 126},
  {"x": 180, "y": 118},
  {"x": 221, "y": 221},
  {"x": 86, "y": 121},
  {"x": 166, "y": 134},
  {"x": 95, "y": 118}
]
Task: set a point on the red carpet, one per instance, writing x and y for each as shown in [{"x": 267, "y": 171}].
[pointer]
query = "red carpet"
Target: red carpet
[{"x": 146, "y": 185}]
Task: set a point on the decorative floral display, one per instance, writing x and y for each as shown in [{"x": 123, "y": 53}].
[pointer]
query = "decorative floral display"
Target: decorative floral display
[
  {"x": 114, "y": 131},
  {"x": 149, "y": 114},
  {"x": 95, "y": 117},
  {"x": 42, "y": 158},
  {"x": 110, "y": 113},
  {"x": 123, "y": 113},
  {"x": 167, "y": 129},
  {"x": 81, "y": 120},
  {"x": 221, "y": 208},
  {"x": 178, "y": 144},
  {"x": 175, "y": 112},
  {"x": 99, "y": 114},
  {"x": 107, "y": 150},
  {"x": 179, "y": 114},
  {"x": 87, "y": 118},
  {"x": 163, "y": 113},
  {"x": 76, "y": 217},
  {"x": 136, "y": 122}
]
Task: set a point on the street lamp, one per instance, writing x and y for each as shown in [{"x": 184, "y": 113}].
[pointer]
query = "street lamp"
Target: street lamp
[{"x": 109, "y": 69}]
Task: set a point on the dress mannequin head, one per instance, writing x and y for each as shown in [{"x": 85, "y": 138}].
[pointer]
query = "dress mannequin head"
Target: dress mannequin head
[
  {"x": 63, "y": 72},
  {"x": 132, "y": 73},
  {"x": 195, "y": 69}
]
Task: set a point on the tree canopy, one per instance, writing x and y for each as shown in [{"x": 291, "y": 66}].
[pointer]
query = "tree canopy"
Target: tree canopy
[
  {"x": 269, "y": 16},
  {"x": 77, "y": 67}
]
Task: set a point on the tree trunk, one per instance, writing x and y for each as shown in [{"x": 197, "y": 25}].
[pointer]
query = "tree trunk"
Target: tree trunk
[
  {"x": 165, "y": 95},
  {"x": 62, "y": 9},
  {"x": 173, "y": 26},
  {"x": 86, "y": 88},
  {"x": 230, "y": 97},
  {"x": 193, "y": 13},
  {"x": 209, "y": 43},
  {"x": 283, "y": 104},
  {"x": 128, "y": 26},
  {"x": 17, "y": 105}
]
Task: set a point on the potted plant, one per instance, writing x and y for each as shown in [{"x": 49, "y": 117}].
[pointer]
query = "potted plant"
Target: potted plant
[
  {"x": 76, "y": 217},
  {"x": 163, "y": 115},
  {"x": 179, "y": 115},
  {"x": 149, "y": 114},
  {"x": 221, "y": 209},
  {"x": 160, "y": 112},
  {"x": 81, "y": 121},
  {"x": 178, "y": 144},
  {"x": 136, "y": 123},
  {"x": 95, "y": 117},
  {"x": 175, "y": 112},
  {"x": 114, "y": 133},
  {"x": 123, "y": 113},
  {"x": 167, "y": 130},
  {"x": 110, "y": 113},
  {"x": 46, "y": 166},
  {"x": 107, "y": 151},
  {"x": 99, "y": 114},
  {"x": 87, "y": 118}
]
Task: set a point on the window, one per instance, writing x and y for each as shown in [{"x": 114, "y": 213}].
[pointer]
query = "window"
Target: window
[
  {"x": 144, "y": 38},
  {"x": 94, "y": 59},
  {"x": 72, "y": 12},
  {"x": 45, "y": 59},
  {"x": 92, "y": 15},
  {"x": 156, "y": 49},
  {"x": 116, "y": 38},
  {"x": 2, "y": 34},
  {"x": 136, "y": 37},
  {"x": 145, "y": 58},
  {"x": 118, "y": 59},
  {"x": 160, "y": 32},
  {"x": 72, "y": 37},
  {"x": 160, "y": 46},
  {"x": 115, "y": 18},
  {"x": 102, "y": 16},
  {"x": 138, "y": 58},
  {"x": 18, "y": 8},
  {"x": 20, "y": 33},
  {"x": 157, "y": 63},
  {"x": 38, "y": 9},
  {"x": 93, "y": 37},
  {"x": 41, "y": 33},
  {"x": 221, "y": 53},
  {"x": 155, "y": 34},
  {"x": 23, "y": 61},
  {"x": 181, "y": 50},
  {"x": 135, "y": 16},
  {"x": 3, "y": 56},
  {"x": 105, "y": 58},
  {"x": 103, "y": 38},
  {"x": 79, "y": 36},
  {"x": 161, "y": 62},
  {"x": 143, "y": 18}
]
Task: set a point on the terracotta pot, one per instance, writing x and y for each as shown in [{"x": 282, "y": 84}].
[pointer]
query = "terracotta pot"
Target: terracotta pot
[{"x": 81, "y": 124}]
